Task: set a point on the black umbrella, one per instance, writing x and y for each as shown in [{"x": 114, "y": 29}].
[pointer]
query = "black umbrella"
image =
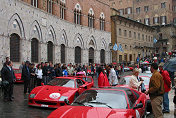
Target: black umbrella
[{"x": 170, "y": 65}]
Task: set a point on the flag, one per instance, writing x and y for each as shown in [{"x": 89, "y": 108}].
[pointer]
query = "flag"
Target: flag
[
  {"x": 154, "y": 40},
  {"x": 120, "y": 48},
  {"x": 115, "y": 48}
]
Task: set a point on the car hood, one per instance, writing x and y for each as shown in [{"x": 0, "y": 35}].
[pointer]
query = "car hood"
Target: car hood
[
  {"x": 53, "y": 92},
  {"x": 87, "y": 112}
]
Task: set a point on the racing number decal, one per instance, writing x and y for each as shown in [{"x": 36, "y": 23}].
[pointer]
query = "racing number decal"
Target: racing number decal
[
  {"x": 54, "y": 95},
  {"x": 137, "y": 114}
]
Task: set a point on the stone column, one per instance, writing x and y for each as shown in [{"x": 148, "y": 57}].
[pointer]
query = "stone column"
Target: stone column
[
  {"x": 57, "y": 54},
  {"x": 108, "y": 57},
  {"x": 70, "y": 55},
  {"x": 97, "y": 56},
  {"x": 43, "y": 52},
  {"x": 25, "y": 50},
  {"x": 85, "y": 56}
]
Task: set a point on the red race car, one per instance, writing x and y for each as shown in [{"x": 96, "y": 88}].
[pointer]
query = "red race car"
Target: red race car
[
  {"x": 109, "y": 102},
  {"x": 124, "y": 82},
  {"x": 18, "y": 76},
  {"x": 57, "y": 90}
]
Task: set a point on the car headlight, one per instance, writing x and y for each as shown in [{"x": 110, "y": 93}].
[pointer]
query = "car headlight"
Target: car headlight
[
  {"x": 32, "y": 95},
  {"x": 62, "y": 98}
]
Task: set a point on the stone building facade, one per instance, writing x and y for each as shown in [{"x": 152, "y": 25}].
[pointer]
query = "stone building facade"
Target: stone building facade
[
  {"x": 62, "y": 31},
  {"x": 149, "y": 12},
  {"x": 136, "y": 39},
  {"x": 167, "y": 40}
]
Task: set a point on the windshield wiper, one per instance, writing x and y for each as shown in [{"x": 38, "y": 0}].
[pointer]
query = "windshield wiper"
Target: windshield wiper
[{"x": 101, "y": 103}]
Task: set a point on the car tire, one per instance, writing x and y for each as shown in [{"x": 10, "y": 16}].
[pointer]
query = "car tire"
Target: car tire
[{"x": 76, "y": 95}]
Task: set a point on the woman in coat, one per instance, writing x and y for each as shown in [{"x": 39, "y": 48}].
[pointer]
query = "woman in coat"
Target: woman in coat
[{"x": 102, "y": 78}]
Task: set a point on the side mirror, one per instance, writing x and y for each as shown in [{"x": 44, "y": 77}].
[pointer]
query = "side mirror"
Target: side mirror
[
  {"x": 83, "y": 86},
  {"x": 42, "y": 84},
  {"x": 66, "y": 101},
  {"x": 140, "y": 105}
]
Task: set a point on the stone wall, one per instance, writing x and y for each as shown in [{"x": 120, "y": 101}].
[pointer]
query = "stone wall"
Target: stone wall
[{"x": 30, "y": 22}]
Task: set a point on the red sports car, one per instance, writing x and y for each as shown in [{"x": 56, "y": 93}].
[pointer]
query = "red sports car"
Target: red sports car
[
  {"x": 57, "y": 90},
  {"x": 124, "y": 82},
  {"x": 110, "y": 102},
  {"x": 18, "y": 76}
]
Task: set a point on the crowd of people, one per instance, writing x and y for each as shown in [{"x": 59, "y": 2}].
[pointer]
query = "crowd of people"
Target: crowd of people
[{"x": 108, "y": 75}]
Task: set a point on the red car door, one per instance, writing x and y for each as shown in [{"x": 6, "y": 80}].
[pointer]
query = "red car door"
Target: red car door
[{"x": 141, "y": 99}]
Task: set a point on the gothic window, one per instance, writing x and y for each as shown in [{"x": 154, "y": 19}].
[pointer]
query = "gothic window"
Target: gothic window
[
  {"x": 62, "y": 10},
  {"x": 77, "y": 54},
  {"x": 102, "y": 56},
  {"x": 91, "y": 18},
  {"x": 50, "y": 6},
  {"x": 62, "y": 53},
  {"x": 91, "y": 55},
  {"x": 102, "y": 22},
  {"x": 15, "y": 48},
  {"x": 34, "y": 3},
  {"x": 34, "y": 50},
  {"x": 77, "y": 14},
  {"x": 50, "y": 51}
]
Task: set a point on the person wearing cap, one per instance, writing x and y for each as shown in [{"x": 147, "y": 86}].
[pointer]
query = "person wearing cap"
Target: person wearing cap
[
  {"x": 167, "y": 86},
  {"x": 134, "y": 82}
]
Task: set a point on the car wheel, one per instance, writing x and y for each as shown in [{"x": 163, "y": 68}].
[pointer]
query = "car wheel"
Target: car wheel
[{"x": 76, "y": 95}]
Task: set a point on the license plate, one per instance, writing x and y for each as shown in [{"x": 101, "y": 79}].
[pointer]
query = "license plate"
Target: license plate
[{"x": 43, "y": 105}]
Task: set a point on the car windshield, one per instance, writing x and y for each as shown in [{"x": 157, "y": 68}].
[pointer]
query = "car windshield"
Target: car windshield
[
  {"x": 127, "y": 80},
  {"x": 17, "y": 71},
  {"x": 65, "y": 82},
  {"x": 102, "y": 98}
]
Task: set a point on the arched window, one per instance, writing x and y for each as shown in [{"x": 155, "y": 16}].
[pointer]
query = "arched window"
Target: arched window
[
  {"x": 62, "y": 53},
  {"x": 50, "y": 51},
  {"x": 77, "y": 54},
  {"x": 34, "y": 3},
  {"x": 77, "y": 14},
  {"x": 91, "y": 18},
  {"x": 102, "y": 21},
  {"x": 62, "y": 9},
  {"x": 102, "y": 56},
  {"x": 34, "y": 50},
  {"x": 91, "y": 55},
  {"x": 15, "y": 47},
  {"x": 50, "y": 6}
]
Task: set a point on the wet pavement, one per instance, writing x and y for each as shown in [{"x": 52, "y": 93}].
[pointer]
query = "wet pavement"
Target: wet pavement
[{"x": 19, "y": 107}]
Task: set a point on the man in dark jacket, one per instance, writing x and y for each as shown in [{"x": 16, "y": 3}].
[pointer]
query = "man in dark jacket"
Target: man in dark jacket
[
  {"x": 26, "y": 77},
  {"x": 8, "y": 78}
]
